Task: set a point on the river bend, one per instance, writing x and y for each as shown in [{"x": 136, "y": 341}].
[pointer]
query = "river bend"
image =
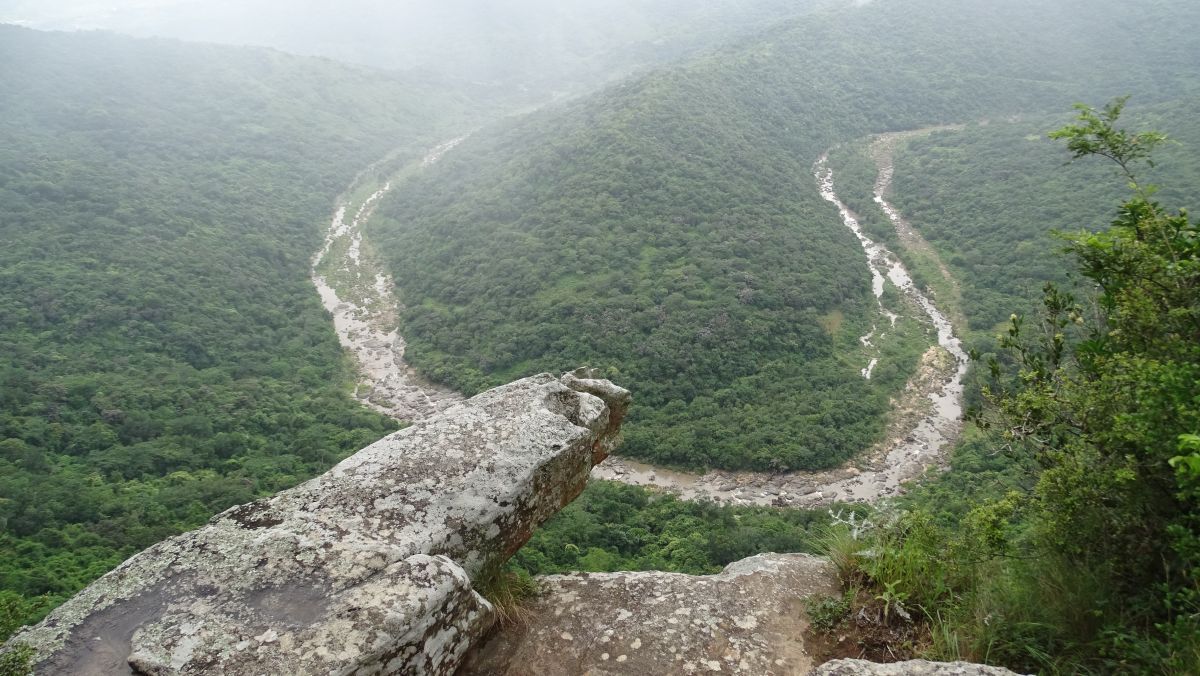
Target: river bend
[{"x": 926, "y": 418}]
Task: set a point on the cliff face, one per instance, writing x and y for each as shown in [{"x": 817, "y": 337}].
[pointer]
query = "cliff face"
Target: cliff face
[{"x": 365, "y": 569}]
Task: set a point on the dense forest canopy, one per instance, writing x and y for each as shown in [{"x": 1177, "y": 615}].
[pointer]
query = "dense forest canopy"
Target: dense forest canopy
[
  {"x": 668, "y": 229},
  {"x": 990, "y": 197},
  {"x": 162, "y": 352}
]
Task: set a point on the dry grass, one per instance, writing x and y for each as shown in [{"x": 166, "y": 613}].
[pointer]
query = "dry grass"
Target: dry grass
[{"x": 510, "y": 593}]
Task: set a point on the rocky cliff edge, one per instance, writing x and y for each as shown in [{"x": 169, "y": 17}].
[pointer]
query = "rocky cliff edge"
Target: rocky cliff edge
[
  {"x": 366, "y": 569},
  {"x": 748, "y": 620}
]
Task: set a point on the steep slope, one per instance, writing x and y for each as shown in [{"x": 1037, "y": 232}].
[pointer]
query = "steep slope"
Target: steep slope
[
  {"x": 990, "y": 196},
  {"x": 668, "y": 229},
  {"x": 162, "y": 352}
]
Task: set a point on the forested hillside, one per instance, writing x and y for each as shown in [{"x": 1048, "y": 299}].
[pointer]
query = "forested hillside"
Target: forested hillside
[
  {"x": 668, "y": 229},
  {"x": 990, "y": 196},
  {"x": 1065, "y": 537},
  {"x": 163, "y": 354}
]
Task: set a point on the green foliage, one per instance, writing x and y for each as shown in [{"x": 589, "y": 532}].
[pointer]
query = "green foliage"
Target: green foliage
[
  {"x": 1095, "y": 135},
  {"x": 16, "y": 661},
  {"x": 903, "y": 562},
  {"x": 825, "y": 613},
  {"x": 510, "y": 590},
  {"x": 666, "y": 230},
  {"x": 162, "y": 353},
  {"x": 1091, "y": 563},
  {"x": 15, "y": 610},
  {"x": 892, "y": 600},
  {"x": 614, "y": 526}
]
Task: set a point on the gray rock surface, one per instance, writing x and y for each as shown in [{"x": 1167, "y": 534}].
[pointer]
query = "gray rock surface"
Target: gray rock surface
[
  {"x": 748, "y": 620},
  {"x": 910, "y": 668},
  {"x": 366, "y": 569}
]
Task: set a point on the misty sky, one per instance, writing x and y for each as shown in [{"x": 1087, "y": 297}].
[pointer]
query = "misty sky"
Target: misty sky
[{"x": 543, "y": 43}]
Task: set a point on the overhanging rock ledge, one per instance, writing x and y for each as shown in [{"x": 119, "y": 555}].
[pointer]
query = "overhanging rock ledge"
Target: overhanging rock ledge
[{"x": 366, "y": 569}]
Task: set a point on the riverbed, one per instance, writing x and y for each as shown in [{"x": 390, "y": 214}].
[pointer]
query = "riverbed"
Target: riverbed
[
  {"x": 924, "y": 421},
  {"x": 359, "y": 295}
]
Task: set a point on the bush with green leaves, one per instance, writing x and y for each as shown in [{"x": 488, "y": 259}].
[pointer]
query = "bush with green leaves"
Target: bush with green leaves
[{"x": 1093, "y": 566}]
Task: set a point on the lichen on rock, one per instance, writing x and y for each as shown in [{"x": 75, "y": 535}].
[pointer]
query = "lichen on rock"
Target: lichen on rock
[
  {"x": 909, "y": 668},
  {"x": 364, "y": 569},
  {"x": 748, "y": 620}
]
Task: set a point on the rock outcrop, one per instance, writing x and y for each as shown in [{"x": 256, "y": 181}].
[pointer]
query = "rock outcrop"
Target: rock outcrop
[
  {"x": 910, "y": 668},
  {"x": 369, "y": 569},
  {"x": 748, "y": 620},
  {"x": 365, "y": 569}
]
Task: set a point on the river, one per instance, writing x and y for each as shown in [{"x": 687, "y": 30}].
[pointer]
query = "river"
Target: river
[
  {"x": 359, "y": 295},
  {"x": 926, "y": 417}
]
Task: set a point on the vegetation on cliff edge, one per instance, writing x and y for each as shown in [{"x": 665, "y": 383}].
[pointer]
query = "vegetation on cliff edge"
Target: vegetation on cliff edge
[{"x": 1083, "y": 555}]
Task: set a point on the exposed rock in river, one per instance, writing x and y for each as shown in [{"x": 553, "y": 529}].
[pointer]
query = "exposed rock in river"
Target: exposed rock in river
[
  {"x": 365, "y": 569},
  {"x": 925, "y": 419},
  {"x": 358, "y": 294}
]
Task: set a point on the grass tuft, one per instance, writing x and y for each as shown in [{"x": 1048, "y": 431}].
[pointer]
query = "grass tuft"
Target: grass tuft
[{"x": 510, "y": 591}]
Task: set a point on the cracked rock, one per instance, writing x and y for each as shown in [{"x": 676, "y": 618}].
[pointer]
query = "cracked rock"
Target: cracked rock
[{"x": 365, "y": 569}]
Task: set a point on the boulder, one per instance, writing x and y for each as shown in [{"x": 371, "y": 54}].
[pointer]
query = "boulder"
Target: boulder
[
  {"x": 749, "y": 620},
  {"x": 909, "y": 668},
  {"x": 366, "y": 569}
]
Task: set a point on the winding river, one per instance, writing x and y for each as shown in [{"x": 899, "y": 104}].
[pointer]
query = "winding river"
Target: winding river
[
  {"x": 356, "y": 291},
  {"x": 925, "y": 419}
]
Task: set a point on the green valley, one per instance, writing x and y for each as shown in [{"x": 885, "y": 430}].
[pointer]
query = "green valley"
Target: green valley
[
  {"x": 667, "y": 229},
  {"x": 702, "y": 229},
  {"x": 163, "y": 355}
]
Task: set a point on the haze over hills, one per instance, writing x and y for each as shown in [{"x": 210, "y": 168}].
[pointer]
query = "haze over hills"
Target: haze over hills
[{"x": 540, "y": 45}]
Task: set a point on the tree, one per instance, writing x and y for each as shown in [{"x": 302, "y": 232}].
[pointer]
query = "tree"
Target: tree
[{"x": 1107, "y": 398}]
